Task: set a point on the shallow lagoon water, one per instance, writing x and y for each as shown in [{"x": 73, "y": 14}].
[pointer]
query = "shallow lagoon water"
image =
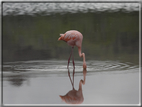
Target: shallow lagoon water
[
  {"x": 42, "y": 81},
  {"x": 111, "y": 46}
]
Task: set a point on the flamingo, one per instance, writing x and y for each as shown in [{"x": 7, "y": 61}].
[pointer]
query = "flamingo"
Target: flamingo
[{"x": 73, "y": 38}]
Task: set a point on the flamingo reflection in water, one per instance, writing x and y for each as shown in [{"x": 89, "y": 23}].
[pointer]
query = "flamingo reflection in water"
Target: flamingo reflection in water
[{"x": 75, "y": 96}]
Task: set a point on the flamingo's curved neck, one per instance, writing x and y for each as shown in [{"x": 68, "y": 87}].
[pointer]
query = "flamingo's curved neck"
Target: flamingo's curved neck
[
  {"x": 81, "y": 54},
  {"x": 80, "y": 85}
]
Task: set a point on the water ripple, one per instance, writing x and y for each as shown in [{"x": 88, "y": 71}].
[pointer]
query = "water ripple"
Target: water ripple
[{"x": 58, "y": 67}]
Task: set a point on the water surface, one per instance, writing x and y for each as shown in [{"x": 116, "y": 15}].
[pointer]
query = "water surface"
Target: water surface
[{"x": 42, "y": 81}]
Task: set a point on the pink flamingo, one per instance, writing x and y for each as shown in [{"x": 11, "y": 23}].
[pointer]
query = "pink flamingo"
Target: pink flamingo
[{"x": 73, "y": 38}]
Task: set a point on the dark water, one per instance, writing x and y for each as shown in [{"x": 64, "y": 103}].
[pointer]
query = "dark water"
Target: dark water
[{"x": 34, "y": 63}]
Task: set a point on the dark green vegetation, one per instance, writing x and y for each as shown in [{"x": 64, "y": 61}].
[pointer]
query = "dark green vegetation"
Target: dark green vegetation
[{"x": 107, "y": 36}]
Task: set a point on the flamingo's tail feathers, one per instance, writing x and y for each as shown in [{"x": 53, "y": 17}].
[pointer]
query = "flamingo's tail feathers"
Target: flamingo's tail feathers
[
  {"x": 62, "y": 97},
  {"x": 61, "y": 37},
  {"x": 61, "y": 34}
]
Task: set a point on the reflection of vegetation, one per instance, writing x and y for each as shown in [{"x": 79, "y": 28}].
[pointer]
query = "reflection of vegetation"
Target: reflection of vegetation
[
  {"x": 106, "y": 36},
  {"x": 16, "y": 80}
]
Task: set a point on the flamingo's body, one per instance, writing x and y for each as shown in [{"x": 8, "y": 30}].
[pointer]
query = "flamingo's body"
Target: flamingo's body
[{"x": 74, "y": 38}]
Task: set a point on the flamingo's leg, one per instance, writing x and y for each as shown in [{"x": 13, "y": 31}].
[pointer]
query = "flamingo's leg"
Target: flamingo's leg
[
  {"x": 70, "y": 79},
  {"x": 68, "y": 67},
  {"x": 69, "y": 59}
]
